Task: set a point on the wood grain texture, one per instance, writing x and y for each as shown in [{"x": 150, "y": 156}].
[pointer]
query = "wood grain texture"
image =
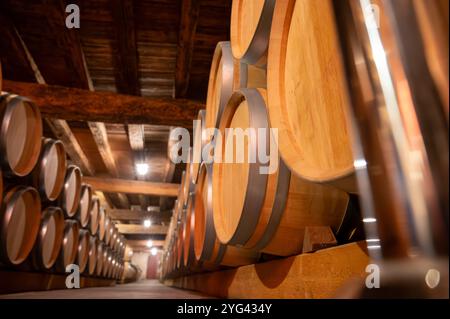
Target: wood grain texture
[
  {"x": 316, "y": 275},
  {"x": 136, "y": 215},
  {"x": 188, "y": 27},
  {"x": 112, "y": 185},
  {"x": 140, "y": 229},
  {"x": 82, "y": 105},
  {"x": 306, "y": 88}
]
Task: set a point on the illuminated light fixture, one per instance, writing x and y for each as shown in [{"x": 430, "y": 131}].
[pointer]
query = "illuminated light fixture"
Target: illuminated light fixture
[
  {"x": 142, "y": 168},
  {"x": 374, "y": 247},
  {"x": 154, "y": 251},
  {"x": 374, "y": 240},
  {"x": 360, "y": 163},
  {"x": 369, "y": 220},
  {"x": 130, "y": 253},
  {"x": 147, "y": 223},
  {"x": 149, "y": 244}
]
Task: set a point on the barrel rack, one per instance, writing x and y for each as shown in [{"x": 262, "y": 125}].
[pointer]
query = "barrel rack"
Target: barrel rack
[
  {"x": 322, "y": 274},
  {"x": 19, "y": 281}
]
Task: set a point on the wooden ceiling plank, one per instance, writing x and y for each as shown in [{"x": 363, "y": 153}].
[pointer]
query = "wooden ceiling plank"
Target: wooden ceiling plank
[
  {"x": 112, "y": 185},
  {"x": 138, "y": 215},
  {"x": 140, "y": 229},
  {"x": 83, "y": 105},
  {"x": 188, "y": 26}
]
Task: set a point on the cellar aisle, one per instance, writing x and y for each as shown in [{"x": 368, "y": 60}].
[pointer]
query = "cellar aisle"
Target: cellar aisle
[{"x": 144, "y": 289}]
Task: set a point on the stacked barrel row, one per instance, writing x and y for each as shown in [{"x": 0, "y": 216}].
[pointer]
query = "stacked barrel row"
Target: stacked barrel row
[
  {"x": 281, "y": 71},
  {"x": 49, "y": 219}
]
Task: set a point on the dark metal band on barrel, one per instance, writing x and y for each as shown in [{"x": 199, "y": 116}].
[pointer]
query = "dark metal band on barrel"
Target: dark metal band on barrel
[
  {"x": 260, "y": 41},
  {"x": 284, "y": 178},
  {"x": 257, "y": 182},
  {"x": 227, "y": 79}
]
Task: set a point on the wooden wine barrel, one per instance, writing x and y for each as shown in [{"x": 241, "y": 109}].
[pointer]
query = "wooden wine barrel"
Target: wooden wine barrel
[
  {"x": 20, "y": 215},
  {"x": 199, "y": 142},
  {"x": 307, "y": 96},
  {"x": 189, "y": 260},
  {"x": 20, "y": 134},
  {"x": 266, "y": 212},
  {"x": 71, "y": 192},
  {"x": 108, "y": 230},
  {"x": 1, "y": 186},
  {"x": 103, "y": 222},
  {"x": 180, "y": 241},
  {"x": 49, "y": 239},
  {"x": 101, "y": 248},
  {"x": 50, "y": 171},
  {"x": 92, "y": 259},
  {"x": 220, "y": 85},
  {"x": 106, "y": 261},
  {"x": 207, "y": 247},
  {"x": 180, "y": 199},
  {"x": 250, "y": 28},
  {"x": 94, "y": 219},
  {"x": 114, "y": 236},
  {"x": 83, "y": 249},
  {"x": 69, "y": 248},
  {"x": 84, "y": 209},
  {"x": 188, "y": 185}
]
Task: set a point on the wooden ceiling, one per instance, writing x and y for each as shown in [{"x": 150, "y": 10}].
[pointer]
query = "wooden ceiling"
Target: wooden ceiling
[{"x": 159, "y": 50}]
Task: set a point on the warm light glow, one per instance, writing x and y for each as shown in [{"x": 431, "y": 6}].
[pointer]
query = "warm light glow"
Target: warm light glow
[
  {"x": 130, "y": 253},
  {"x": 360, "y": 163},
  {"x": 369, "y": 220},
  {"x": 147, "y": 223},
  {"x": 142, "y": 168},
  {"x": 154, "y": 251},
  {"x": 150, "y": 244}
]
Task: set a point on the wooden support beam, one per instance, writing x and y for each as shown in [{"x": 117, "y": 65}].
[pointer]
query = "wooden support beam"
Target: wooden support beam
[
  {"x": 60, "y": 128},
  {"x": 136, "y": 215},
  {"x": 62, "y": 131},
  {"x": 126, "y": 68},
  {"x": 83, "y": 105},
  {"x": 140, "y": 229},
  {"x": 317, "y": 275},
  {"x": 188, "y": 27},
  {"x": 136, "y": 137},
  {"x": 100, "y": 136},
  {"x": 143, "y": 243},
  {"x": 111, "y": 185}
]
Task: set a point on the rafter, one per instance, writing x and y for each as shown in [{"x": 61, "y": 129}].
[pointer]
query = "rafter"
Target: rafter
[
  {"x": 188, "y": 27},
  {"x": 112, "y": 185},
  {"x": 82, "y": 105}
]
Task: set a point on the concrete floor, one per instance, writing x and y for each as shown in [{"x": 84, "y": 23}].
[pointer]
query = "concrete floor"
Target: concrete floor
[{"x": 144, "y": 289}]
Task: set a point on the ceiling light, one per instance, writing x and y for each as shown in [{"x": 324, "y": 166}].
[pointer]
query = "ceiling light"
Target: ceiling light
[
  {"x": 142, "y": 168},
  {"x": 147, "y": 223},
  {"x": 154, "y": 251},
  {"x": 150, "y": 244}
]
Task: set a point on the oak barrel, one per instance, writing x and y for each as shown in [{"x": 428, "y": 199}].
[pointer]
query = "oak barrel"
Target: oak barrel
[
  {"x": 266, "y": 211},
  {"x": 250, "y": 28},
  {"x": 207, "y": 247},
  {"x": 49, "y": 239},
  {"x": 84, "y": 208},
  {"x": 307, "y": 95},
  {"x": 69, "y": 247},
  {"x": 50, "y": 171},
  {"x": 71, "y": 192},
  {"x": 20, "y": 215},
  {"x": 220, "y": 85},
  {"x": 20, "y": 134},
  {"x": 83, "y": 249},
  {"x": 94, "y": 219}
]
